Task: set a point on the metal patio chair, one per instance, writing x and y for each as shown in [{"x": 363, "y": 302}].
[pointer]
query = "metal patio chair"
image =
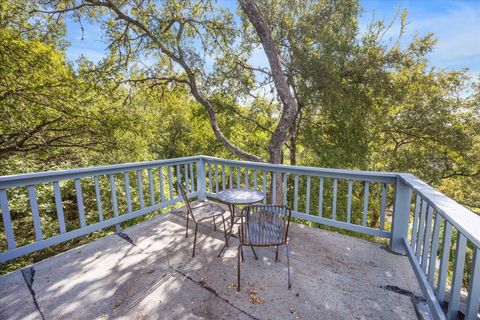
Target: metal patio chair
[
  {"x": 264, "y": 226},
  {"x": 200, "y": 213}
]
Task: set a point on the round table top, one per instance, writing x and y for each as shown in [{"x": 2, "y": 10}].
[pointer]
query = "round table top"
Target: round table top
[{"x": 240, "y": 196}]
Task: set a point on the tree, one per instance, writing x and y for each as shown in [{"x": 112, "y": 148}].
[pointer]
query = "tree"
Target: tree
[
  {"x": 167, "y": 32},
  {"x": 365, "y": 102},
  {"x": 43, "y": 103}
]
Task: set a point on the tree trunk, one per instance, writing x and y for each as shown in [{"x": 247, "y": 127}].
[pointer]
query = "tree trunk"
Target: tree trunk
[
  {"x": 289, "y": 110},
  {"x": 290, "y": 107}
]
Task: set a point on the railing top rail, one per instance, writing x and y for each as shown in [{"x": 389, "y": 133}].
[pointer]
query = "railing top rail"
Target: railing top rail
[
  {"x": 26, "y": 179},
  {"x": 326, "y": 172},
  {"x": 467, "y": 222}
]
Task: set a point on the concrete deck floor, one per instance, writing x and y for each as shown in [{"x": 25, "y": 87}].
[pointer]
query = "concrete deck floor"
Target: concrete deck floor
[{"x": 333, "y": 277}]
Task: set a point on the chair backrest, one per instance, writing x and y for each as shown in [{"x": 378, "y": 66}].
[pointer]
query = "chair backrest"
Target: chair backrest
[
  {"x": 270, "y": 218},
  {"x": 185, "y": 198}
]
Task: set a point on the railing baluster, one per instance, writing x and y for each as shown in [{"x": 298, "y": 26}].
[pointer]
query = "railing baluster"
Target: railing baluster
[
  {"x": 192, "y": 178},
  {"x": 187, "y": 181},
  {"x": 238, "y": 177},
  {"x": 140, "y": 188},
  {"x": 334, "y": 201},
  {"x": 365, "y": 203},
  {"x": 274, "y": 188},
  {"x": 37, "y": 227},
  {"x": 383, "y": 206},
  {"x": 223, "y": 177},
  {"x": 265, "y": 187},
  {"x": 210, "y": 183},
  {"x": 179, "y": 178},
  {"x": 246, "y": 178},
  {"x": 426, "y": 241},
  {"x": 307, "y": 205},
  {"x": 98, "y": 197},
  {"x": 295, "y": 193},
  {"x": 113, "y": 191},
  {"x": 421, "y": 229},
  {"x": 126, "y": 180},
  {"x": 349, "y": 203},
  {"x": 170, "y": 182},
  {"x": 284, "y": 188},
  {"x": 81, "y": 210},
  {"x": 433, "y": 251},
  {"x": 7, "y": 220},
  {"x": 150, "y": 185},
  {"x": 415, "y": 222},
  {"x": 444, "y": 259},
  {"x": 474, "y": 288},
  {"x": 201, "y": 180},
  {"x": 255, "y": 183},
  {"x": 454, "y": 301},
  {"x": 216, "y": 178},
  {"x": 59, "y": 207},
  {"x": 320, "y": 197},
  {"x": 160, "y": 179}
]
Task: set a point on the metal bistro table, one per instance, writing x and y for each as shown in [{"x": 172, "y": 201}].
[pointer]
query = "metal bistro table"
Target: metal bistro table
[{"x": 233, "y": 197}]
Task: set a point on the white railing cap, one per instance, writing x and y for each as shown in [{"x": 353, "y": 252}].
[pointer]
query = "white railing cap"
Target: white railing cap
[
  {"x": 328, "y": 172},
  {"x": 25, "y": 179}
]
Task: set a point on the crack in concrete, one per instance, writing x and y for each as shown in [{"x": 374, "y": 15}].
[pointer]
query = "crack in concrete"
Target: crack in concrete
[
  {"x": 28, "y": 276},
  {"x": 416, "y": 300},
  {"x": 401, "y": 291},
  {"x": 214, "y": 292},
  {"x": 387, "y": 248},
  {"x": 126, "y": 237}
]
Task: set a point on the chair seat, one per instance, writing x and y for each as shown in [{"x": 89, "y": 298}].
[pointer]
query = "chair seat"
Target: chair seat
[
  {"x": 262, "y": 233},
  {"x": 207, "y": 211}
]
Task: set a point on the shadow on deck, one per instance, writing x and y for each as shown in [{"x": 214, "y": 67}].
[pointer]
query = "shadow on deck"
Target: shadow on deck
[{"x": 154, "y": 277}]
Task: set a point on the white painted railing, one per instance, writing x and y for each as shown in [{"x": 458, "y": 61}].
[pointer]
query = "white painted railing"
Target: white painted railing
[
  {"x": 311, "y": 202},
  {"x": 373, "y": 203},
  {"x": 434, "y": 217},
  {"x": 116, "y": 178}
]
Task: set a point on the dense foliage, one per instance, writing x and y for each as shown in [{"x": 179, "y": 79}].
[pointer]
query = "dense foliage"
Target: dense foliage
[{"x": 365, "y": 102}]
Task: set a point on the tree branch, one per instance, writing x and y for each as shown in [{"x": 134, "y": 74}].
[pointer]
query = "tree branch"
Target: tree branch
[{"x": 190, "y": 75}]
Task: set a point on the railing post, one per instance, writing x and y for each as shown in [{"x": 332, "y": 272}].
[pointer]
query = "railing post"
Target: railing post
[
  {"x": 401, "y": 213},
  {"x": 201, "y": 180}
]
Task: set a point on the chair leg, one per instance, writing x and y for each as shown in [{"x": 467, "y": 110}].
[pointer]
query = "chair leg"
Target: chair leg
[
  {"x": 214, "y": 224},
  {"x": 186, "y": 229},
  {"x": 276, "y": 255},
  {"x": 254, "y": 253},
  {"x": 241, "y": 252},
  {"x": 238, "y": 266},
  {"x": 288, "y": 267},
  {"x": 224, "y": 230},
  {"x": 195, "y": 240}
]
